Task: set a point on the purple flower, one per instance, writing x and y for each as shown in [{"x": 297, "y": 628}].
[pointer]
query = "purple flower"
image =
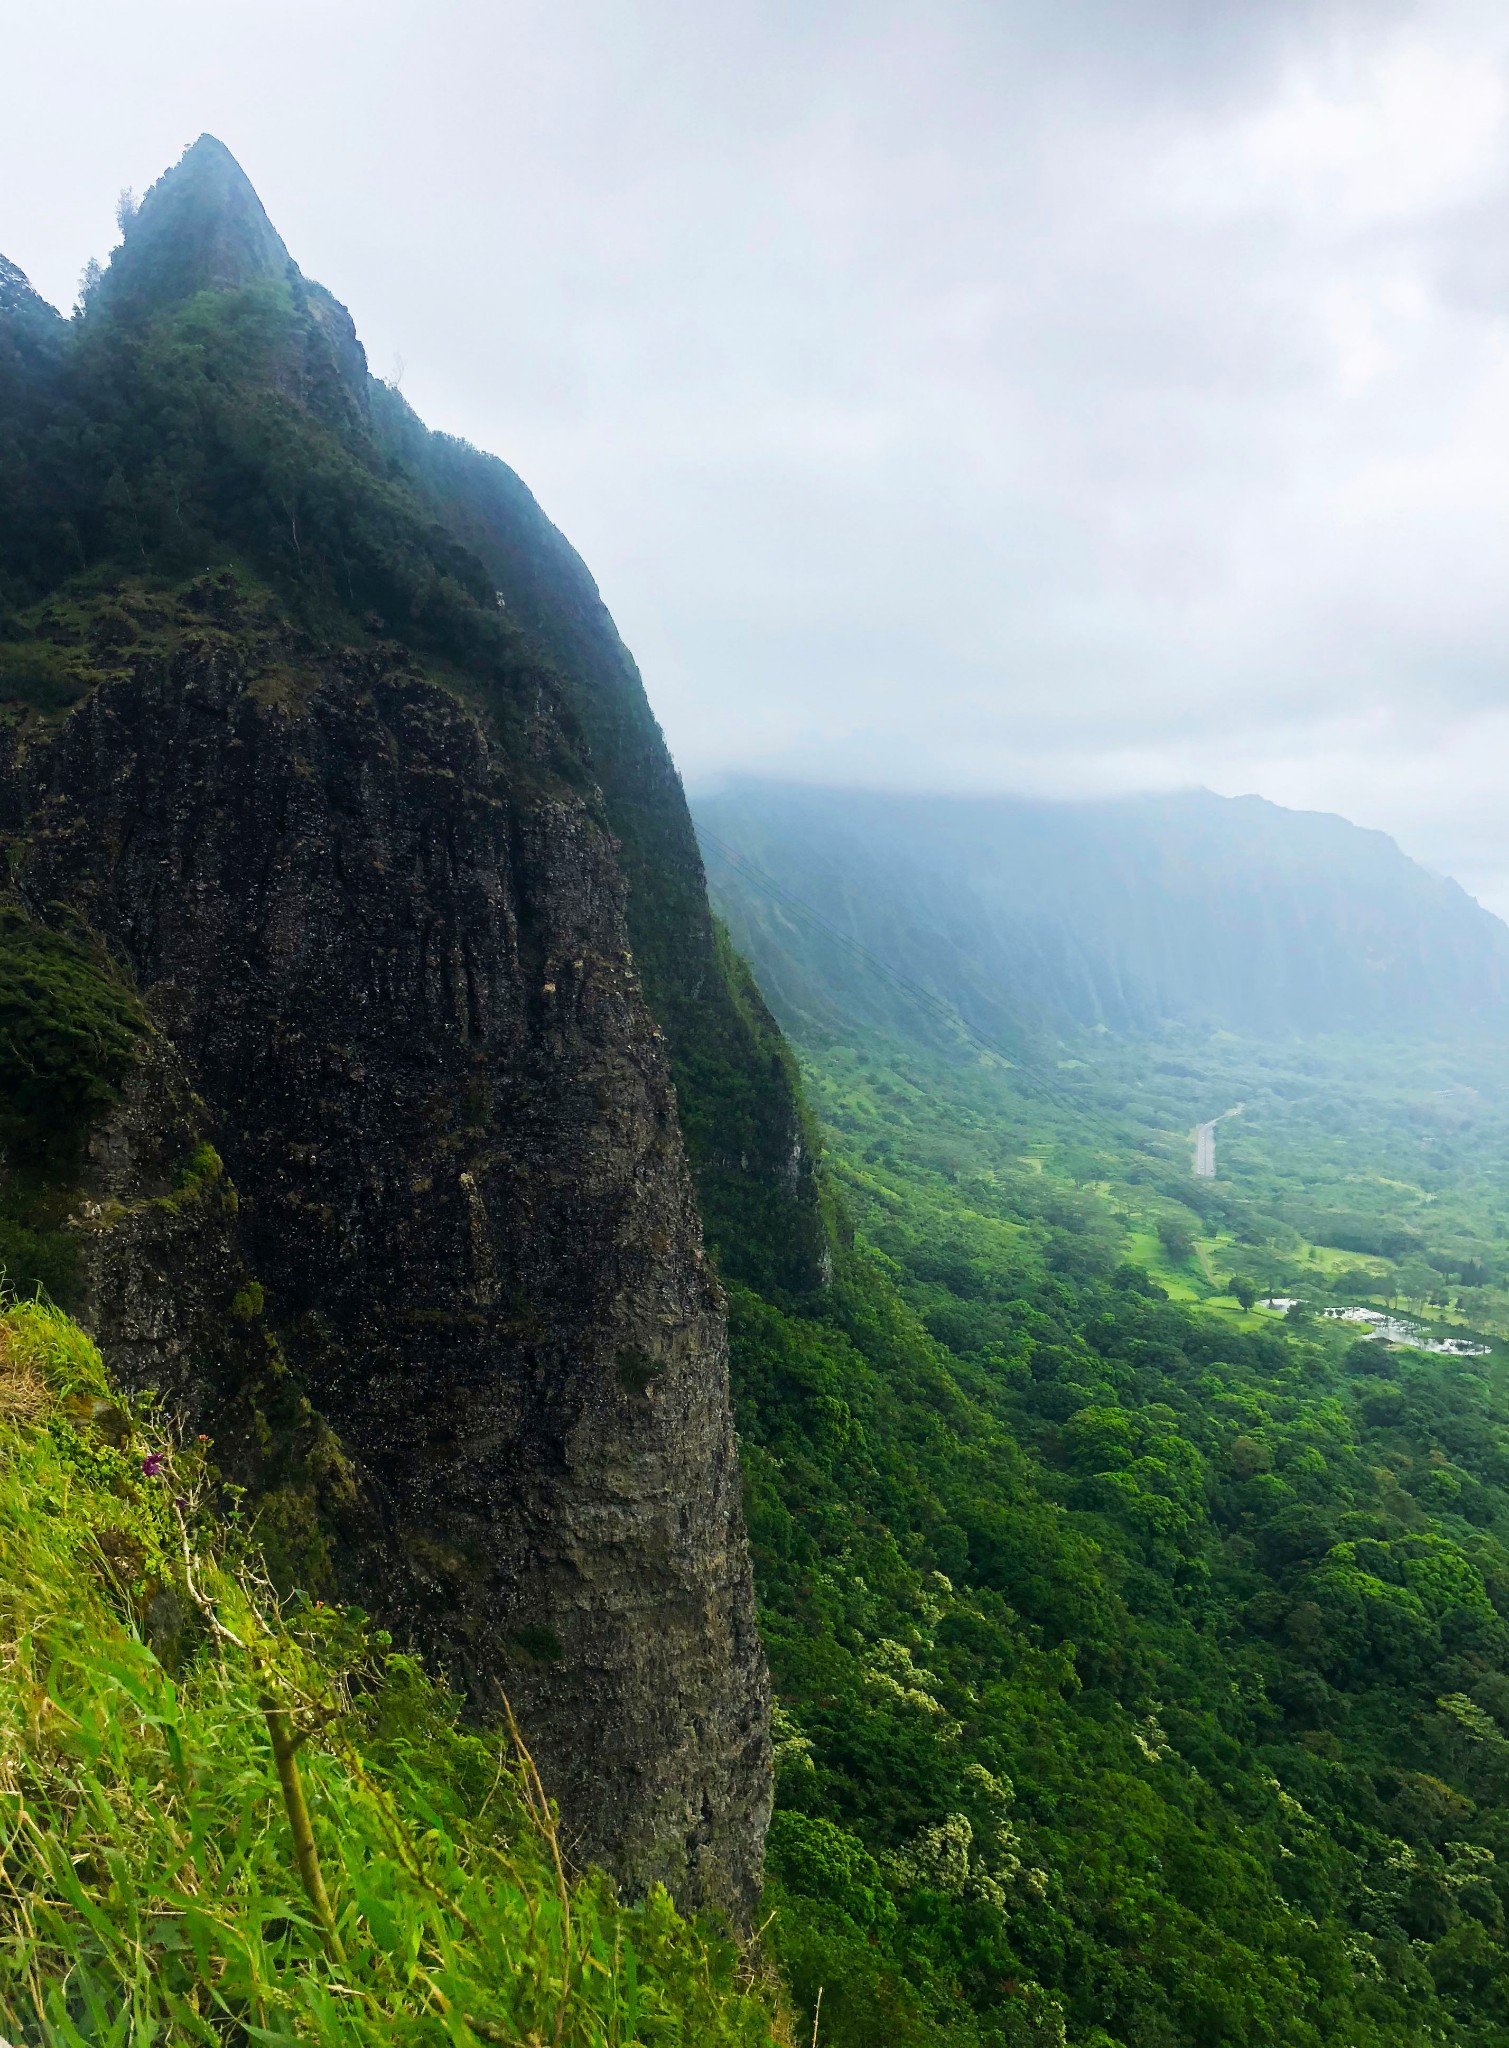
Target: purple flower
[{"x": 152, "y": 1465}]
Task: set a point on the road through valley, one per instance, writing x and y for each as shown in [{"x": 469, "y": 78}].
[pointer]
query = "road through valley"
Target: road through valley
[{"x": 1205, "y": 1143}]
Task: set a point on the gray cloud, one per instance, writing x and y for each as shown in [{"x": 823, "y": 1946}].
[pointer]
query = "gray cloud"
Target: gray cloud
[{"x": 1103, "y": 394}]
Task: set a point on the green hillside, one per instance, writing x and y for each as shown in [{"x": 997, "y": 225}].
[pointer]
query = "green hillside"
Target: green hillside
[
  {"x": 1143, "y": 1663},
  {"x": 168, "y": 1726}
]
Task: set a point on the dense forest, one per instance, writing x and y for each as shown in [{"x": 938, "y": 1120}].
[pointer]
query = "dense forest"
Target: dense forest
[{"x": 1143, "y": 1662}]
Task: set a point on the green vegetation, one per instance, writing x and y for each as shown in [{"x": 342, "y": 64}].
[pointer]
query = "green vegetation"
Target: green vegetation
[
  {"x": 196, "y": 453},
  {"x": 741, "y": 1103},
  {"x": 168, "y": 1732},
  {"x": 1358, "y": 1170},
  {"x": 1143, "y": 1664},
  {"x": 69, "y": 1031}
]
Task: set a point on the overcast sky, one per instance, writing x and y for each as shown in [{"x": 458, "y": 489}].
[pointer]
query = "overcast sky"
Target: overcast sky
[{"x": 1059, "y": 395}]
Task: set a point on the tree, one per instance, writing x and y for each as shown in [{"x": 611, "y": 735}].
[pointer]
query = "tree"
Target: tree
[
  {"x": 89, "y": 277},
  {"x": 1176, "y": 1234},
  {"x": 1417, "y": 1281},
  {"x": 1243, "y": 1289}
]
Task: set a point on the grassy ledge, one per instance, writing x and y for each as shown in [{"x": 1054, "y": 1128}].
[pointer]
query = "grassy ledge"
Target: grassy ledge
[{"x": 176, "y": 1745}]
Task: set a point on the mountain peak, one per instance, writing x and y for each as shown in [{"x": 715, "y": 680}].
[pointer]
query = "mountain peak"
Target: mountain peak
[
  {"x": 201, "y": 227},
  {"x": 15, "y": 286},
  {"x": 27, "y": 322}
]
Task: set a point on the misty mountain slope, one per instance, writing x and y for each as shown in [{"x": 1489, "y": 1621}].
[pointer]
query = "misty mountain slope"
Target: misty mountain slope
[{"x": 1224, "y": 913}]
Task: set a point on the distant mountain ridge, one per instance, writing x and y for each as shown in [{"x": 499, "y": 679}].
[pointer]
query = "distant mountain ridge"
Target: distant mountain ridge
[{"x": 1225, "y": 913}]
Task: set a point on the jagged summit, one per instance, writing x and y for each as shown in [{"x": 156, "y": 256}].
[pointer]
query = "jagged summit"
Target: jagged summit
[
  {"x": 17, "y": 292},
  {"x": 201, "y": 227}
]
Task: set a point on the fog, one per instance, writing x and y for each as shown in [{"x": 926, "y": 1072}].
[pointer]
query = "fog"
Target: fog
[{"x": 1066, "y": 398}]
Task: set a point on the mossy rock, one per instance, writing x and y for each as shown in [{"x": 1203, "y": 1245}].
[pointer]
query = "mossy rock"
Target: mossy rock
[{"x": 69, "y": 1029}]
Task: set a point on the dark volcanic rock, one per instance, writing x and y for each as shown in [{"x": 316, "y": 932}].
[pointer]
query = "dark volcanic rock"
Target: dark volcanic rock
[
  {"x": 376, "y": 898},
  {"x": 753, "y": 1154},
  {"x": 391, "y": 957},
  {"x": 168, "y": 1294}
]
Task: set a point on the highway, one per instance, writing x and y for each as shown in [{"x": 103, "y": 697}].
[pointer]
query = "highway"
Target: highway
[{"x": 1205, "y": 1143}]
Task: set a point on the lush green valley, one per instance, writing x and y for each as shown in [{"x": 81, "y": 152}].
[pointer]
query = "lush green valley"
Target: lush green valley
[
  {"x": 1141, "y": 1659},
  {"x": 1143, "y": 1662}
]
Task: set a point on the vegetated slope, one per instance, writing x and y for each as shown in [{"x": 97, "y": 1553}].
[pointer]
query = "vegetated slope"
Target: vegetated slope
[
  {"x": 152, "y": 1888},
  {"x": 1142, "y": 1672},
  {"x": 278, "y": 759},
  {"x": 1359, "y": 1168},
  {"x": 1218, "y": 912}
]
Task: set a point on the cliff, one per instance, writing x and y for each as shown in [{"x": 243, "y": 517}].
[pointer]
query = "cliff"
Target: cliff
[
  {"x": 752, "y": 1151},
  {"x": 1126, "y": 914},
  {"x": 352, "y": 838}
]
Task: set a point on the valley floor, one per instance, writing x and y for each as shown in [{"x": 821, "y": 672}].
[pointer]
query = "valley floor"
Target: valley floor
[{"x": 1142, "y": 1655}]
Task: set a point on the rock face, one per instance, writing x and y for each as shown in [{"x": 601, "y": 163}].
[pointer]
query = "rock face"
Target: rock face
[
  {"x": 754, "y": 1158},
  {"x": 391, "y": 959},
  {"x": 322, "y": 730}
]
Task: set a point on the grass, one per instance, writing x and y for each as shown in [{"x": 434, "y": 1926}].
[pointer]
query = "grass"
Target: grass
[
  {"x": 1197, "y": 1282},
  {"x": 1179, "y": 1282},
  {"x": 163, "y": 1724}
]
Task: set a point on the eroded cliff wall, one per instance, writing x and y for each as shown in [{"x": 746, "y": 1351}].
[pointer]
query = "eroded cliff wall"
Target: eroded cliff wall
[
  {"x": 753, "y": 1153},
  {"x": 394, "y": 966},
  {"x": 372, "y": 814}
]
